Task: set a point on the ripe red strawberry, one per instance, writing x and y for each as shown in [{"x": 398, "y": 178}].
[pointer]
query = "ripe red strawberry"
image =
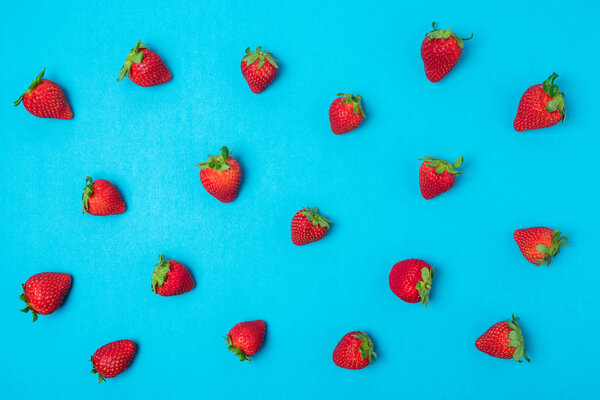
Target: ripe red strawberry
[
  {"x": 245, "y": 338},
  {"x": 43, "y": 293},
  {"x": 101, "y": 198},
  {"x": 144, "y": 67},
  {"x": 411, "y": 280},
  {"x": 171, "y": 278},
  {"x": 539, "y": 245},
  {"x": 540, "y": 106},
  {"x": 437, "y": 176},
  {"x": 354, "y": 351},
  {"x": 112, "y": 359},
  {"x": 440, "y": 52},
  {"x": 45, "y": 99},
  {"x": 221, "y": 175},
  {"x": 258, "y": 73},
  {"x": 308, "y": 226},
  {"x": 346, "y": 113},
  {"x": 503, "y": 340}
]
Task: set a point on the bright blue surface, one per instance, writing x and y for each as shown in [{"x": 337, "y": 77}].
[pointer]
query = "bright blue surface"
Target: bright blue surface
[{"x": 147, "y": 141}]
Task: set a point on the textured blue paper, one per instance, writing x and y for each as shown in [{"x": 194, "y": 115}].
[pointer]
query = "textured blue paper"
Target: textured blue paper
[{"x": 147, "y": 141}]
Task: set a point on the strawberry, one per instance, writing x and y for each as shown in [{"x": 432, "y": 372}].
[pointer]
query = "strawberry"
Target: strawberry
[
  {"x": 539, "y": 245},
  {"x": 354, "y": 351},
  {"x": 171, "y": 278},
  {"x": 437, "y": 176},
  {"x": 221, "y": 175},
  {"x": 411, "y": 280},
  {"x": 112, "y": 359},
  {"x": 258, "y": 73},
  {"x": 45, "y": 99},
  {"x": 245, "y": 338},
  {"x": 503, "y": 340},
  {"x": 346, "y": 113},
  {"x": 43, "y": 293},
  {"x": 144, "y": 67},
  {"x": 440, "y": 52},
  {"x": 308, "y": 226},
  {"x": 540, "y": 106},
  {"x": 101, "y": 198}
]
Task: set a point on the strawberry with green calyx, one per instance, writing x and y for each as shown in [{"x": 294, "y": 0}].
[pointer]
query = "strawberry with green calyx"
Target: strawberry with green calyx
[
  {"x": 540, "y": 106},
  {"x": 346, "y": 113},
  {"x": 440, "y": 51},
  {"x": 246, "y": 338},
  {"x": 539, "y": 245},
  {"x": 411, "y": 280},
  {"x": 101, "y": 198},
  {"x": 221, "y": 176},
  {"x": 505, "y": 340},
  {"x": 45, "y": 99},
  {"x": 308, "y": 226},
  {"x": 171, "y": 278},
  {"x": 437, "y": 176},
  {"x": 354, "y": 351},
  {"x": 44, "y": 293},
  {"x": 259, "y": 69},
  {"x": 144, "y": 67},
  {"x": 112, "y": 359}
]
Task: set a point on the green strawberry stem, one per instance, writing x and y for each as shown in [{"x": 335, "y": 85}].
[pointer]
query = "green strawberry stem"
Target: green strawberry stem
[
  {"x": 316, "y": 218},
  {"x": 550, "y": 252},
  {"x": 134, "y": 56},
  {"x": 516, "y": 339},
  {"x": 366, "y": 348},
  {"x": 356, "y": 102},
  {"x": 441, "y": 165},
  {"x": 237, "y": 351},
  {"x": 259, "y": 55},
  {"x": 87, "y": 192},
  {"x": 31, "y": 87},
  {"x": 425, "y": 286},
  {"x": 445, "y": 34},
  {"x": 558, "y": 100},
  {"x": 93, "y": 371},
  {"x": 27, "y": 306},
  {"x": 218, "y": 163},
  {"x": 160, "y": 273}
]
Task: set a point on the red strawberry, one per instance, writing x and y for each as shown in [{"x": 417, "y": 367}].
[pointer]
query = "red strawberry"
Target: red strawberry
[
  {"x": 221, "y": 176},
  {"x": 411, "y": 280},
  {"x": 308, "y": 226},
  {"x": 43, "y": 293},
  {"x": 144, "y": 67},
  {"x": 245, "y": 338},
  {"x": 258, "y": 73},
  {"x": 440, "y": 52},
  {"x": 346, "y": 113},
  {"x": 171, "y": 278},
  {"x": 112, "y": 359},
  {"x": 539, "y": 245},
  {"x": 503, "y": 340},
  {"x": 45, "y": 99},
  {"x": 101, "y": 198},
  {"x": 437, "y": 176},
  {"x": 354, "y": 351},
  {"x": 541, "y": 106}
]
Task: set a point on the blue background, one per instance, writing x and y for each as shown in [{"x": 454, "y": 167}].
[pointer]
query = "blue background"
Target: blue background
[{"x": 147, "y": 141}]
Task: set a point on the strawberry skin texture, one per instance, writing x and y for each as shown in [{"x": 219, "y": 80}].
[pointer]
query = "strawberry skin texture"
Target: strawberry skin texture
[
  {"x": 222, "y": 185},
  {"x": 151, "y": 71},
  {"x": 171, "y": 278},
  {"x": 440, "y": 51},
  {"x": 404, "y": 278},
  {"x": 246, "y": 338},
  {"x": 112, "y": 358},
  {"x": 45, "y": 99},
  {"x": 259, "y": 69},
  {"x": 44, "y": 293},
  {"x": 342, "y": 117},
  {"x": 437, "y": 176},
  {"x": 354, "y": 351},
  {"x": 532, "y": 240},
  {"x": 101, "y": 198},
  {"x": 532, "y": 112},
  {"x": 308, "y": 226},
  {"x": 504, "y": 340}
]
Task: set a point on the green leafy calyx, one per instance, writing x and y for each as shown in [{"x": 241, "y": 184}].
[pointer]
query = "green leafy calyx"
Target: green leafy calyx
[
  {"x": 134, "y": 56},
  {"x": 27, "y": 306},
  {"x": 366, "y": 348},
  {"x": 31, "y": 87},
  {"x": 259, "y": 55},
  {"x": 87, "y": 192},
  {"x": 516, "y": 339},
  {"x": 445, "y": 34},
  {"x": 441, "y": 165},
  {"x": 316, "y": 218},
  {"x": 424, "y": 286},
  {"x": 93, "y": 371},
  {"x": 558, "y": 99},
  {"x": 355, "y": 101},
  {"x": 550, "y": 252},
  {"x": 218, "y": 163},
  {"x": 160, "y": 273},
  {"x": 237, "y": 351}
]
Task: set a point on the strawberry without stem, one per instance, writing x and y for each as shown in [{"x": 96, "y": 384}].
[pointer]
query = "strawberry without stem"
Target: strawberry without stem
[
  {"x": 437, "y": 176},
  {"x": 112, "y": 359},
  {"x": 540, "y": 106},
  {"x": 503, "y": 340},
  {"x": 245, "y": 338},
  {"x": 440, "y": 52},
  {"x": 101, "y": 198},
  {"x": 354, "y": 351},
  {"x": 259, "y": 69},
  {"x": 144, "y": 67},
  {"x": 308, "y": 226},
  {"x": 539, "y": 245},
  {"x": 221, "y": 176},
  {"x": 346, "y": 113},
  {"x": 43, "y": 293},
  {"x": 411, "y": 280},
  {"x": 45, "y": 99},
  {"x": 171, "y": 278}
]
